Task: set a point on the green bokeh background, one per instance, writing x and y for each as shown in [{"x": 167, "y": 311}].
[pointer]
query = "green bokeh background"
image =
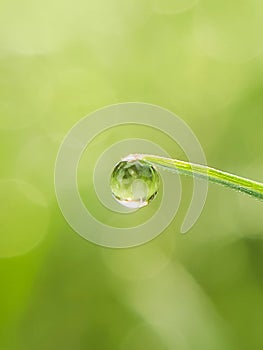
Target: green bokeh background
[{"x": 59, "y": 61}]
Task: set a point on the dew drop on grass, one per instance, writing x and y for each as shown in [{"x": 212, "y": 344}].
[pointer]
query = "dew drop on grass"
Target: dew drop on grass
[{"x": 134, "y": 183}]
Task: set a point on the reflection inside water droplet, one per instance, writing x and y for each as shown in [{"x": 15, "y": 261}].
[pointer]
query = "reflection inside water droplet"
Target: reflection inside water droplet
[{"x": 134, "y": 182}]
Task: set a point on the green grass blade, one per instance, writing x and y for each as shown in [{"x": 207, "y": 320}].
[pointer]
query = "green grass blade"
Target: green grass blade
[{"x": 238, "y": 183}]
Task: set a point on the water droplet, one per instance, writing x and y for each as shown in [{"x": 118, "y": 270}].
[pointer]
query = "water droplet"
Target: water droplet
[{"x": 134, "y": 182}]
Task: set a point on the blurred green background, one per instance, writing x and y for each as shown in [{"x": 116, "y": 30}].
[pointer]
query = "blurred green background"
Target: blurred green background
[{"x": 59, "y": 61}]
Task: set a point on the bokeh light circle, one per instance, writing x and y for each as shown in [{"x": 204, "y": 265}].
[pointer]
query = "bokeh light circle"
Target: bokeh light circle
[{"x": 72, "y": 148}]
